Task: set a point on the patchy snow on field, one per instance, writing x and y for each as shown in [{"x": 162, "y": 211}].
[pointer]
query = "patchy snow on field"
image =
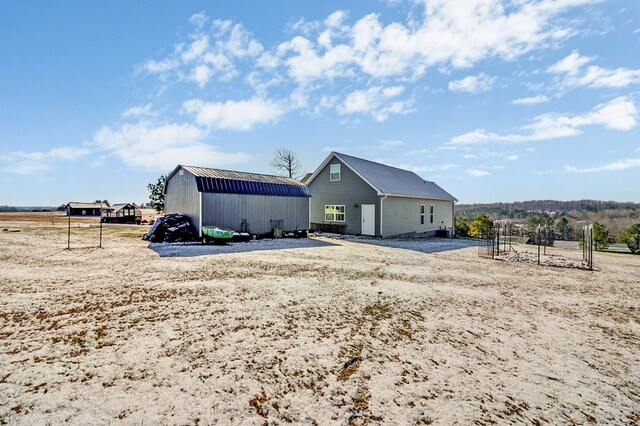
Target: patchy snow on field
[{"x": 317, "y": 331}]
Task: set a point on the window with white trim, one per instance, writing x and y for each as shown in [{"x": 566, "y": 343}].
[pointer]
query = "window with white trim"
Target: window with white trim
[
  {"x": 334, "y": 172},
  {"x": 422, "y": 214},
  {"x": 431, "y": 213},
  {"x": 334, "y": 213}
]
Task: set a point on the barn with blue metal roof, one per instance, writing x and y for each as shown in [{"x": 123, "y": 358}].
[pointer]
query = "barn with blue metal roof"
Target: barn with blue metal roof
[{"x": 244, "y": 202}]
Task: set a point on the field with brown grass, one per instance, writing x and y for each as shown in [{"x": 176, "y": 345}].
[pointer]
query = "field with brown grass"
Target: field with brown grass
[{"x": 322, "y": 331}]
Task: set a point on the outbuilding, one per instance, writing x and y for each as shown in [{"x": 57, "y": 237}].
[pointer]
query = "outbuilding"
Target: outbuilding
[
  {"x": 243, "y": 202},
  {"x": 122, "y": 213},
  {"x": 83, "y": 209},
  {"x": 356, "y": 196}
]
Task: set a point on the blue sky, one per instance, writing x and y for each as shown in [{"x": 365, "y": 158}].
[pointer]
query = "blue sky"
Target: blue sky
[{"x": 495, "y": 101}]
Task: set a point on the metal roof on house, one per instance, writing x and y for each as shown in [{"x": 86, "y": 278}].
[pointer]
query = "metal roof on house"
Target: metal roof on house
[
  {"x": 233, "y": 182},
  {"x": 388, "y": 180}
]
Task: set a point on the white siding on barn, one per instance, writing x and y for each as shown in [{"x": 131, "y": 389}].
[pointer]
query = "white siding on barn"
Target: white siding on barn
[
  {"x": 228, "y": 211},
  {"x": 182, "y": 197}
]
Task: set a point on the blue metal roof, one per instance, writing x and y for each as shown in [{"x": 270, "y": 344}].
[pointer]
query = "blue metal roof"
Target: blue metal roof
[{"x": 235, "y": 186}]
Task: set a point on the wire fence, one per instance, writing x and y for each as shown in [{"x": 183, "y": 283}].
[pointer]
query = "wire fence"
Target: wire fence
[{"x": 498, "y": 243}]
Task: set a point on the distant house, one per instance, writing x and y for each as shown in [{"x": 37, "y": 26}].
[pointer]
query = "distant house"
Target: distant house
[
  {"x": 356, "y": 196},
  {"x": 83, "y": 209},
  {"x": 121, "y": 213},
  {"x": 244, "y": 202}
]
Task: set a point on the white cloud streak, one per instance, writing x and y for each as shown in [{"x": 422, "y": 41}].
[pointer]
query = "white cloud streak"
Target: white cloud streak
[
  {"x": 531, "y": 100},
  {"x": 472, "y": 84},
  {"x": 240, "y": 115},
  {"x": 38, "y": 162},
  {"x": 152, "y": 146},
  {"x": 617, "y": 114},
  {"x": 376, "y": 102},
  {"x": 477, "y": 173},
  {"x": 573, "y": 72},
  {"x": 630, "y": 163},
  {"x": 140, "y": 111}
]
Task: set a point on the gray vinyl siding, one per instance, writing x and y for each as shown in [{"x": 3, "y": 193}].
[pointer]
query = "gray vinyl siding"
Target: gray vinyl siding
[
  {"x": 350, "y": 191},
  {"x": 229, "y": 210},
  {"x": 402, "y": 216},
  {"x": 182, "y": 197}
]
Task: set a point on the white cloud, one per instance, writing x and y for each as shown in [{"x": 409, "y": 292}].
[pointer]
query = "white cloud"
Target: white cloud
[
  {"x": 472, "y": 84},
  {"x": 477, "y": 173},
  {"x": 512, "y": 157},
  {"x": 617, "y": 114},
  {"x": 532, "y": 100},
  {"x": 201, "y": 75},
  {"x": 36, "y": 162},
  {"x": 390, "y": 144},
  {"x": 573, "y": 73},
  {"x": 150, "y": 146},
  {"x": 444, "y": 34},
  {"x": 629, "y": 163},
  {"x": 421, "y": 152},
  {"x": 377, "y": 102},
  {"x": 205, "y": 54},
  {"x": 456, "y": 33},
  {"x": 422, "y": 168},
  {"x": 570, "y": 65},
  {"x": 140, "y": 111},
  {"x": 234, "y": 115}
]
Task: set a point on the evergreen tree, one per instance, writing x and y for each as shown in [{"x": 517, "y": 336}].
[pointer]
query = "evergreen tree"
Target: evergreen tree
[
  {"x": 600, "y": 236},
  {"x": 564, "y": 231},
  {"x": 462, "y": 227},
  {"x": 156, "y": 193},
  {"x": 631, "y": 237}
]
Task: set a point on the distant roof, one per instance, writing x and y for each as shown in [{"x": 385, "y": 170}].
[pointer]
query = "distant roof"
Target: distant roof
[
  {"x": 120, "y": 206},
  {"x": 388, "y": 180},
  {"x": 306, "y": 177},
  {"x": 77, "y": 205},
  {"x": 233, "y": 182}
]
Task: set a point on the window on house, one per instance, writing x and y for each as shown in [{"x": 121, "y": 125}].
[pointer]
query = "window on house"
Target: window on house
[
  {"x": 334, "y": 170},
  {"x": 431, "y": 213},
  {"x": 334, "y": 213},
  {"x": 422, "y": 214},
  {"x": 84, "y": 212}
]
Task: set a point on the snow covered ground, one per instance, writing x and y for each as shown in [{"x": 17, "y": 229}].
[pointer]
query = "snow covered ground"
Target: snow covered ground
[{"x": 318, "y": 331}]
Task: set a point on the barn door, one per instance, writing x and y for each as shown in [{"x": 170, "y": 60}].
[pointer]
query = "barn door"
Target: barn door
[{"x": 368, "y": 219}]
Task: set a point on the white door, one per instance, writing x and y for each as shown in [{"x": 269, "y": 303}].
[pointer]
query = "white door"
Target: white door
[{"x": 368, "y": 219}]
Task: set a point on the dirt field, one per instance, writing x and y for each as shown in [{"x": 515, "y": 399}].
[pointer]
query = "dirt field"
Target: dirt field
[{"x": 330, "y": 332}]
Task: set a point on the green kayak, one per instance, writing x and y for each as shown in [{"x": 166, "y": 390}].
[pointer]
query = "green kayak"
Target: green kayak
[{"x": 215, "y": 234}]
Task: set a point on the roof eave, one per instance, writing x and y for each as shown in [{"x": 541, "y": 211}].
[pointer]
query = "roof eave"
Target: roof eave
[{"x": 424, "y": 197}]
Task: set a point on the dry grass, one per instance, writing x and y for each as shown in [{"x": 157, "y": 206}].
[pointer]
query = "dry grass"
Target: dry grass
[{"x": 346, "y": 333}]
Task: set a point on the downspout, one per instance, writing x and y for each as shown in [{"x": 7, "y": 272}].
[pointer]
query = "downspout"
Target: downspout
[
  {"x": 200, "y": 214},
  {"x": 453, "y": 219},
  {"x": 381, "y": 221}
]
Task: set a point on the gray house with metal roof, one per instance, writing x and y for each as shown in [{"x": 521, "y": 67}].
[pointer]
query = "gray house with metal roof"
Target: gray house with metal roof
[
  {"x": 357, "y": 196},
  {"x": 244, "y": 202}
]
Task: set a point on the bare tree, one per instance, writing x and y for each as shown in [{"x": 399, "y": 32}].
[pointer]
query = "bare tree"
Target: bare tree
[{"x": 287, "y": 162}]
